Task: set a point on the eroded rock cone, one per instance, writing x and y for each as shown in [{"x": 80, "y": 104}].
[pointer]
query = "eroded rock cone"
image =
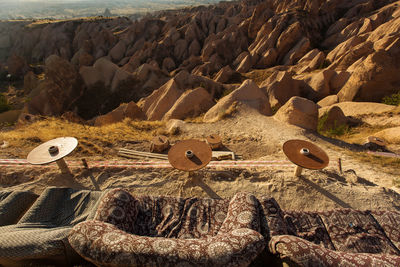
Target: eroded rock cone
[
  {"x": 126, "y": 110},
  {"x": 248, "y": 93},
  {"x": 299, "y": 111}
]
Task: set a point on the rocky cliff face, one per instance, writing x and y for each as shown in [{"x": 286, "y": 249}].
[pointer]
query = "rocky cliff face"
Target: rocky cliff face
[{"x": 311, "y": 48}]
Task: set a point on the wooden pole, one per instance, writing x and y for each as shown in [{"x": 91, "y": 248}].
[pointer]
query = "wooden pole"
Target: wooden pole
[
  {"x": 63, "y": 166},
  {"x": 85, "y": 164},
  {"x": 340, "y": 165},
  {"x": 297, "y": 171}
]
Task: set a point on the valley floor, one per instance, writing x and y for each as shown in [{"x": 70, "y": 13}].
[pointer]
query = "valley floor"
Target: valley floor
[{"x": 361, "y": 185}]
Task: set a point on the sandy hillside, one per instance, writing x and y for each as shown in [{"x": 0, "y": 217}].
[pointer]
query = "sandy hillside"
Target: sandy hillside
[{"x": 361, "y": 185}]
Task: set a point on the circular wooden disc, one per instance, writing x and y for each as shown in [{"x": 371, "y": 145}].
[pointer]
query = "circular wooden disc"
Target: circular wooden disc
[
  {"x": 376, "y": 140},
  {"x": 315, "y": 160},
  {"x": 201, "y": 150},
  {"x": 41, "y": 154},
  {"x": 160, "y": 140}
]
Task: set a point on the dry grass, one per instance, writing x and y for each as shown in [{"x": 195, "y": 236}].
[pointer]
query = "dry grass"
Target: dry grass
[
  {"x": 92, "y": 140},
  {"x": 198, "y": 119},
  {"x": 229, "y": 112},
  {"x": 259, "y": 76},
  {"x": 388, "y": 165},
  {"x": 358, "y": 135}
]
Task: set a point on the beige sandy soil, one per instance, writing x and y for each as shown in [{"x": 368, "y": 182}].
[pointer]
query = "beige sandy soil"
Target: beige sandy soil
[{"x": 361, "y": 185}]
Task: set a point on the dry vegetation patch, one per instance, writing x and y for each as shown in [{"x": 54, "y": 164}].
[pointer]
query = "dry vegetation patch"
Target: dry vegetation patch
[
  {"x": 92, "y": 140},
  {"x": 259, "y": 76},
  {"x": 358, "y": 136}
]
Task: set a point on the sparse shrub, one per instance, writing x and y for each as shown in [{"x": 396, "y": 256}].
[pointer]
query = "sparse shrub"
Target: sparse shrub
[
  {"x": 203, "y": 85},
  {"x": 258, "y": 76},
  {"x": 227, "y": 91},
  {"x": 175, "y": 131},
  {"x": 4, "y": 106},
  {"x": 274, "y": 109},
  {"x": 321, "y": 122},
  {"x": 336, "y": 130},
  {"x": 197, "y": 119},
  {"x": 393, "y": 99},
  {"x": 229, "y": 112},
  {"x": 324, "y": 64}
]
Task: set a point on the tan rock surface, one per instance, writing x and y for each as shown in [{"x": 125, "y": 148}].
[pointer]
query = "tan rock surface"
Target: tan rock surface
[
  {"x": 91, "y": 76},
  {"x": 355, "y": 109},
  {"x": 288, "y": 38},
  {"x": 191, "y": 103},
  {"x": 328, "y": 101},
  {"x": 106, "y": 70},
  {"x": 17, "y": 65},
  {"x": 320, "y": 83},
  {"x": 338, "y": 81},
  {"x": 121, "y": 80},
  {"x": 161, "y": 100},
  {"x": 311, "y": 61},
  {"x": 281, "y": 87},
  {"x": 372, "y": 80},
  {"x": 118, "y": 51},
  {"x": 334, "y": 118},
  {"x": 245, "y": 64},
  {"x": 126, "y": 110},
  {"x": 225, "y": 74},
  {"x": 174, "y": 126},
  {"x": 168, "y": 64},
  {"x": 299, "y": 111},
  {"x": 297, "y": 52},
  {"x": 248, "y": 93},
  {"x": 268, "y": 58},
  {"x": 30, "y": 82},
  {"x": 391, "y": 135},
  {"x": 10, "y": 116}
]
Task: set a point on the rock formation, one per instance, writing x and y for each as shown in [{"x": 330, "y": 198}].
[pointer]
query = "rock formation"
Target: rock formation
[
  {"x": 191, "y": 103},
  {"x": 390, "y": 135},
  {"x": 311, "y": 49},
  {"x": 300, "y": 112},
  {"x": 248, "y": 93},
  {"x": 333, "y": 118},
  {"x": 126, "y": 110}
]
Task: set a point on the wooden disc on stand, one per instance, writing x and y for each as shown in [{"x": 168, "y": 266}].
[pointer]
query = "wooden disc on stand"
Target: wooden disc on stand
[
  {"x": 189, "y": 155},
  {"x": 305, "y": 155},
  {"x": 53, "y": 150}
]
